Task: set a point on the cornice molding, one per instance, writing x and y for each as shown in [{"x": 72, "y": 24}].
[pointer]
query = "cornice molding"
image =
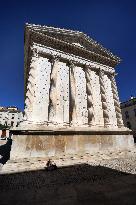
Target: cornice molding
[
  {"x": 40, "y": 38},
  {"x": 51, "y": 53},
  {"x": 62, "y": 31}
]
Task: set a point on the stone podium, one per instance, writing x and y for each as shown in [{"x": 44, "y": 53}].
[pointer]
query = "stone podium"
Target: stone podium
[{"x": 71, "y": 98}]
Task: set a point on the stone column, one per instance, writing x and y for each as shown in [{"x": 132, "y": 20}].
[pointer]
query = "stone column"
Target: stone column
[
  {"x": 90, "y": 107},
  {"x": 116, "y": 101},
  {"x": 103, "y": 99},
  {"x": 53, "y": 90},
  {"x": 30, "y": 92},
  {"x": 72, "y": 94}
]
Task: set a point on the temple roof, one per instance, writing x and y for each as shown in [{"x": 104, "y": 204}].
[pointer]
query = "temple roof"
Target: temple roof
[{"x": 74, "y": 39}]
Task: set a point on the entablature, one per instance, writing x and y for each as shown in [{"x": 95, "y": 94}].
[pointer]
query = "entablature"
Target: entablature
[
  {"x": 39, "y": 38},
  {"x": 66, "y": 57}
]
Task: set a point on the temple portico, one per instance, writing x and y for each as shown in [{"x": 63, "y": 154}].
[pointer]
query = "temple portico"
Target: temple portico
[{"x": 70, "y": 92}]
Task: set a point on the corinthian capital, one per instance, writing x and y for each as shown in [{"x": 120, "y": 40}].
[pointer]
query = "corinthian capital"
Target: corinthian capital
[
  {"x": 101, "y": 72},
  {"x": 86, "y": 67},
  {"x": 71, "y": 64},
  {"x": 35, "y": 52},
  {"x": 54, "y": 59},
  {"x": 112, "y": 75}
]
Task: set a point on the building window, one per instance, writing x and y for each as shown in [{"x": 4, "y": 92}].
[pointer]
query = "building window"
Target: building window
[
  {"x": 129, "y": 125},
  {"x": 126, "y": 114},
  {"x": 12, "y": 117},
  {"x": 135, "y": 112},
  {"x": 12, "y": 123}
]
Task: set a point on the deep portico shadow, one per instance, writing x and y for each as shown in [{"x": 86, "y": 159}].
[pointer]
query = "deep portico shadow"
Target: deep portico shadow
[
  {"x": 5, "y": 151},
  {"x": 72, "y": 185}
]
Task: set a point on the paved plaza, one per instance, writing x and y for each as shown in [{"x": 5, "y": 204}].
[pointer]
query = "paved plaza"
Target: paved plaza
[{"x": 103, "y": 178}]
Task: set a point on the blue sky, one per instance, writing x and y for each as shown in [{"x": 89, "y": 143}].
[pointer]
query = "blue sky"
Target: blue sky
[{"x": 110, "y": 22}]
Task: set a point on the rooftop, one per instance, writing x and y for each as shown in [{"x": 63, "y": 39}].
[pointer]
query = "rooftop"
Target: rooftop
[
  {"x": 9, "y": 108},
  {"x": 130, "y": 102}
]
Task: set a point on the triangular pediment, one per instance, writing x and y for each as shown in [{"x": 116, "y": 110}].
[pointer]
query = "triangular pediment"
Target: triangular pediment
[{"x": 75, "y": 38}]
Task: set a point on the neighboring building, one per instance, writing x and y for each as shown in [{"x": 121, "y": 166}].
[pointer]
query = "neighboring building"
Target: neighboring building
[
  {"x": 10, "y": 116},
  {"x": 128, "y": 110}
]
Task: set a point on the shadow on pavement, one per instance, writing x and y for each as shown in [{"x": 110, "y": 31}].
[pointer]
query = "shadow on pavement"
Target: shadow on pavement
[
  {"x": 74, "y": 185},
  {"x": 5, "y": 151}
]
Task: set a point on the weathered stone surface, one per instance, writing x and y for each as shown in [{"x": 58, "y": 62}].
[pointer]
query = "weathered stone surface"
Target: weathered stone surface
[
  {"x": 70, "y": 93},
  {"x": 64, "y": 89},
  {"x": 55, "y": 145}
]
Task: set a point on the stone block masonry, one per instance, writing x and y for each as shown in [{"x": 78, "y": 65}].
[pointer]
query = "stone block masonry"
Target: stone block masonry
[{"x": 70, "y": 90}]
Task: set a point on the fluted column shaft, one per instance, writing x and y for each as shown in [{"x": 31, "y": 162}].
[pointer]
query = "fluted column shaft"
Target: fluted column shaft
[
  {"x": 53, "y": 91},
  {"x": 90, "y": 107},
  {"x": 116, "y": 101},
  {"x": 72, "y": 94},
  {"x": 30, "y": 93},
  {"x": 103, "y": 99}
]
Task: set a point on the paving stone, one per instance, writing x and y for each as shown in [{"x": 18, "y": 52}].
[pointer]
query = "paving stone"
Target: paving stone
[{"x": 94, "y": 179}]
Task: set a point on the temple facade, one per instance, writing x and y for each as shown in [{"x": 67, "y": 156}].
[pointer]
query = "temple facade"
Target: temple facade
[
  {"x": 70, "y": 86},
  {"x": 70, "y": 80}
]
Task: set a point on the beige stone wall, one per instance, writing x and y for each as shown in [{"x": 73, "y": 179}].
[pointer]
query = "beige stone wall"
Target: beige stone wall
[{"x": 26, "y": 146}]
